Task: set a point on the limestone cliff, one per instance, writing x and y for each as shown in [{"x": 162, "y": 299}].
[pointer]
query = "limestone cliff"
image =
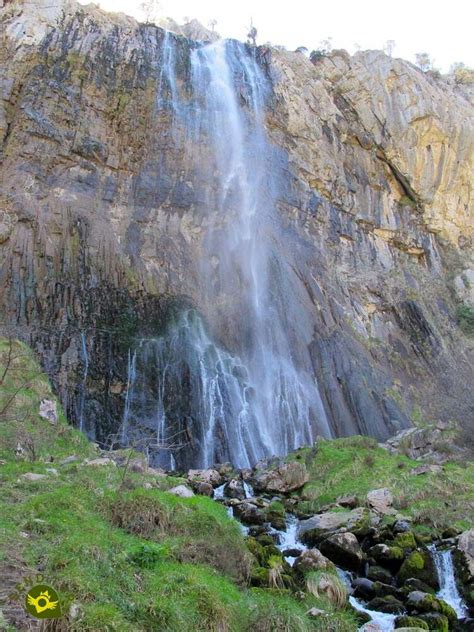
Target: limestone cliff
[{"x": 103, "y": 215}]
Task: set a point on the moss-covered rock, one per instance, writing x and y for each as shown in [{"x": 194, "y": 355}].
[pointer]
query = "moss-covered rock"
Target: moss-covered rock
[
  {"x": 424, "y": 602},
  {"x": 388, "y": 556},
  {"x": 379, "y": 574},
  {"x": 436, "y": 622},
  {"x": 389, "y": 604},
  {"x": 276, "y": 515},
  {"x": 405, "y": 540},
  {"x": 419, "y": 565},
  {"x": 406, "y": 621}
]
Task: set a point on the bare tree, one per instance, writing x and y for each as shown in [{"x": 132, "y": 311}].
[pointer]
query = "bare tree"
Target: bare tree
[
  {"x": 325, "y": 45},
  {"x": 150, "y": 10},
  {"x": 424, "y": 61},
  {"x": 252, "y": 34},
  {"x": 212, "y": 25},
  {"x": 389, "y": 47}
]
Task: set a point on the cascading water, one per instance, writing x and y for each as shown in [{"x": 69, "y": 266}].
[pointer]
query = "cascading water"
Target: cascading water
[
  {"x": 447, "y": 580},
  {"x": 82, "y": 400},
  {"x": 206, "y": 404}
]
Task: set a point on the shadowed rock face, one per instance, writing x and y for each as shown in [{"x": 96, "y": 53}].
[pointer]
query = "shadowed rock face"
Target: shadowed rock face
[{"x": 108, "y": 199}]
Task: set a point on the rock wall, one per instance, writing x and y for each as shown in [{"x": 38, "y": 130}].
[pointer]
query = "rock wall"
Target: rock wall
[{"x": 102, "y": 215}]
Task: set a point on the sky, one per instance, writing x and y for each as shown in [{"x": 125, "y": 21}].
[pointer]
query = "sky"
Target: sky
[{"x": 441, "y": 28}]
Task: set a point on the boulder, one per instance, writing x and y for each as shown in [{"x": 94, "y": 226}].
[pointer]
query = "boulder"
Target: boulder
[
  {"x": 316, "y": 528},
  {"x": 48, "y": 410},
  {"x": 138, "y": 465},
  {"x": 371, "y": 626},
  {"x": 235, "y": 489},
  {"x": 182, "y": 491},
  {"x": 349, "y": 501},
  {"x": 314, "y": 613},
  {"x": 363, "y": 588},
  {"x": 379, "y": 574},
  {"x": 465, "y": 550},
  {"x": 436, "y": 622},
  {"x": 404, "y": 622},
  {"x": 284, "y": 478},
  {"x": 426, "y": 469},
  {"x": 343, "y": 549},
  {"x": 389, "y": 556},
  {"x": 69, "y": 459},
  {"x": 249, "y": 513},
  {"x": 204, "y": 489},
  {"x": 312, "y": 560},
  {"x": 421, "y": 602},
  {"x": 100, "y": 462},
  {"x": 400, "y": 526},
  {"x": 419, "y": 565},
  {"x": 381, "y": 500},
  {"x": 382, "y": 590},
  {"x": 412, "y": 629},
  {"x": 416, "y": 584},
  {"x": 405, "y": 540},
  {"x": 388, "y": 604},
  {"x": 32, "y": 476},
  {"x": 211, "y": 476}
]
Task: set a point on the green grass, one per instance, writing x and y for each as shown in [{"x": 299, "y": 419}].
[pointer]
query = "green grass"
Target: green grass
[
  {"x": 122, "y": 556},
  {"x": 355, "y": 465}
]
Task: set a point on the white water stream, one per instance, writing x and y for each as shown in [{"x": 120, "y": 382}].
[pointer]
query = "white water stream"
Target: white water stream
[{"x": 449, "y": 592}]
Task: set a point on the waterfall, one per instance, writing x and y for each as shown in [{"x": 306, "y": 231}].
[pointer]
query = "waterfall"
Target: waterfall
[
  {"x": 85, "y": 373},
  {"x": 449, "y": 592},
  {"x": 205, "y": 403},
  {"x": 131, "y": 375}
]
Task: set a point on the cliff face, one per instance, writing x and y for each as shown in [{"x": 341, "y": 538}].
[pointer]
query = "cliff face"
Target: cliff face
[{"x": 104, "y": 215}]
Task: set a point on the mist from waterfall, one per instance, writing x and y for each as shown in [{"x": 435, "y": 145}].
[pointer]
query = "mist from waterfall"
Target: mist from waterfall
[{"x": 204, "y": 403}]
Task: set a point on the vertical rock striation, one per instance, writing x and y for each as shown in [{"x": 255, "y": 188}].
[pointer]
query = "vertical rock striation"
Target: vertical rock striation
[{"x": 108, "y": 199}]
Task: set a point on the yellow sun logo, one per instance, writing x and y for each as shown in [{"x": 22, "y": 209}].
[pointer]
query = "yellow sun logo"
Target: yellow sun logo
[{"x": 43, "y": 602}]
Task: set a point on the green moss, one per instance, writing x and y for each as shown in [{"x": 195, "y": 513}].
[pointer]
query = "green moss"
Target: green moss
[
  {"x": 405, "y": 540},
  {"x": 411, "y": 622}
]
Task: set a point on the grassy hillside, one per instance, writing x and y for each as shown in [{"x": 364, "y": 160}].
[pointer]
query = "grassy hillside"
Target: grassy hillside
[
  {"x": 355, "y": 465},
  {"x": 122, "y": 552}
]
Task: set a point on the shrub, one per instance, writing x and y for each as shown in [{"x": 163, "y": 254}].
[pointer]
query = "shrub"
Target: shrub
[{"x": 465, "y": 316}]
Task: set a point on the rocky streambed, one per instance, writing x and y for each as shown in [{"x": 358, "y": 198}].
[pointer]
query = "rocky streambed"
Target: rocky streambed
[{"x": 357, "y": 552}]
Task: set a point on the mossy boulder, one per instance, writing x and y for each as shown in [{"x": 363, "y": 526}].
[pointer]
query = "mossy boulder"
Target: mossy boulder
[
  {"x": 275, "y": 515},
  {"x": 316, "y": 528},
  {"x": 388, "y": 556},
  {"x": 343, "y": 549},
  {"x": 436, "y": 622},
  {"x": 379, "y": 574},
  {"x": 419, "y": 564},
  {"x": 312, "y": 560},
  {"x": 389, "y": 604},
  {"x": 405, "y": 541},
  {"x": 423, "y": 602},
  {"x": 406, "y": 621}
]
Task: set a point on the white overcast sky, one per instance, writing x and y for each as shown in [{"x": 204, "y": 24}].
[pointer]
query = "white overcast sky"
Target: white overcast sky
[{"x": 444, "y": 28}]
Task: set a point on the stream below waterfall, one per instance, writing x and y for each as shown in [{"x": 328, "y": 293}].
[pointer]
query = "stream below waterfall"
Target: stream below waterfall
[{"x": 287, "y": 541}]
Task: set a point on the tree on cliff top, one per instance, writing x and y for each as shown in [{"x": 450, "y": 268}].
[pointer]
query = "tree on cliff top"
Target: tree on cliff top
[{"x": 252, "y": 34}]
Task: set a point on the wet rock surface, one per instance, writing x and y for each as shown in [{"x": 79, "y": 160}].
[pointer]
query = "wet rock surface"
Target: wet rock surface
[{"x": 103, "y": 216}]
